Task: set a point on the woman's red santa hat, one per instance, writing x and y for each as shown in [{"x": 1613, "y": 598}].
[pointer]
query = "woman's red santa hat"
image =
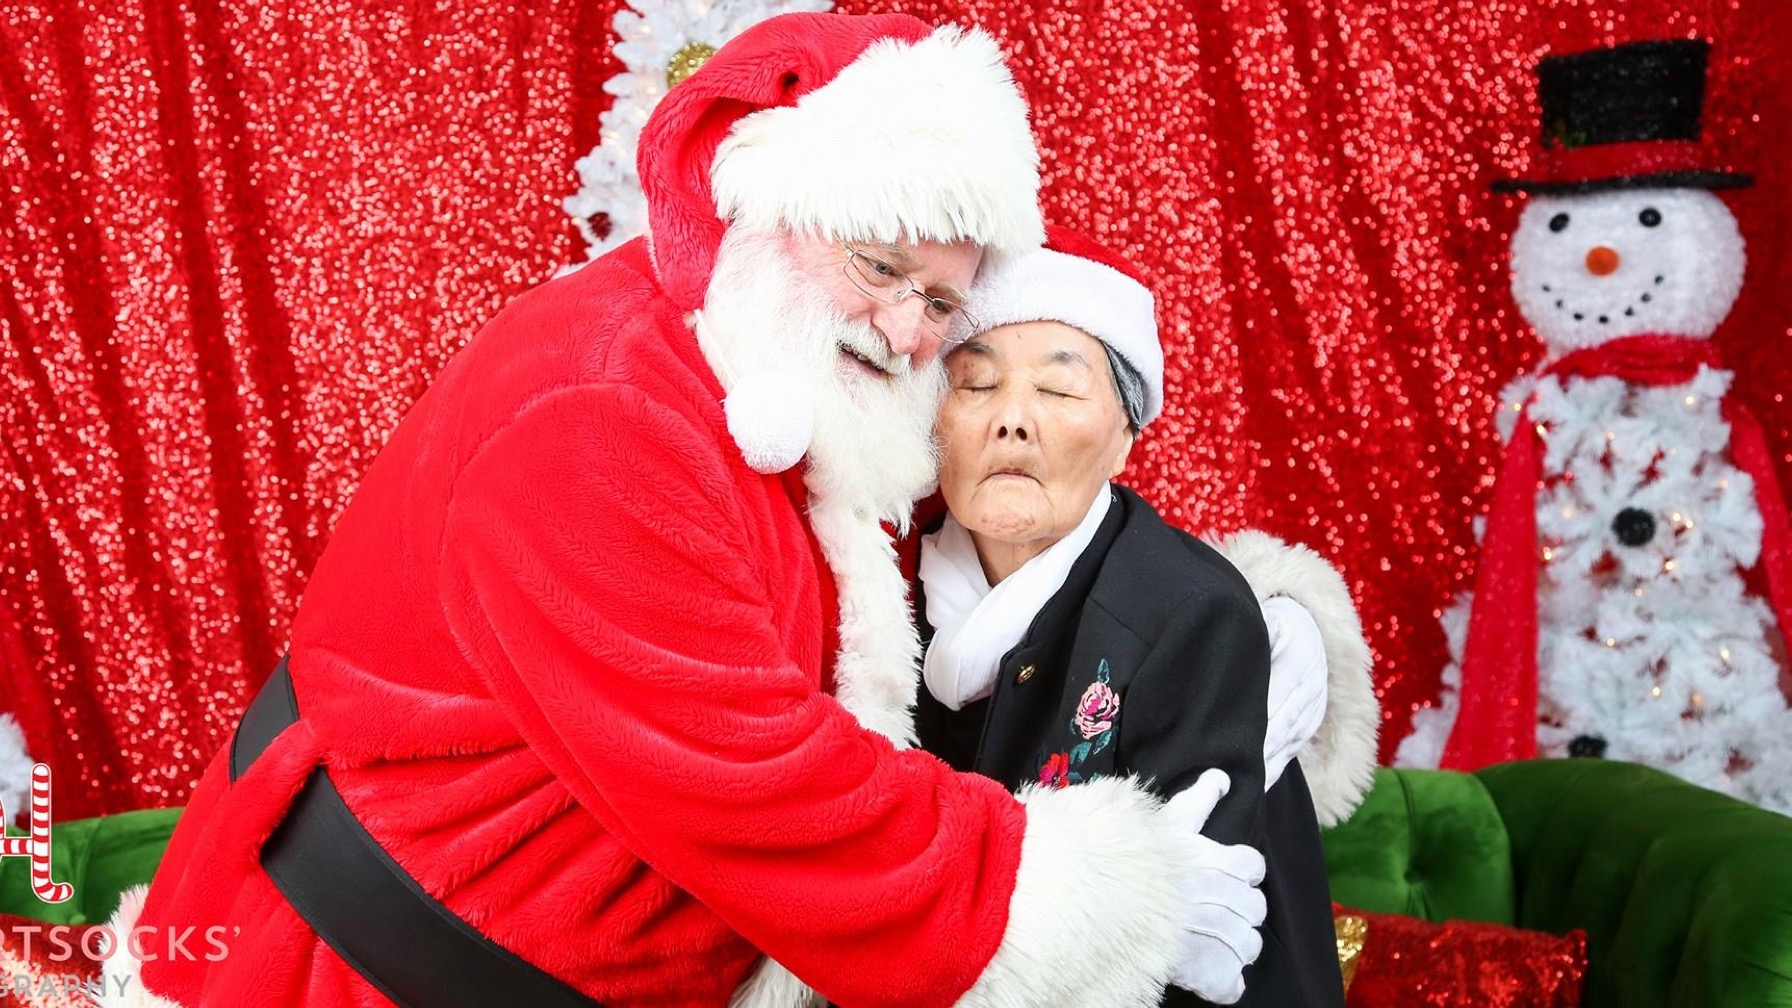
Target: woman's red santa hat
[{"x": 1081, "y": 283}]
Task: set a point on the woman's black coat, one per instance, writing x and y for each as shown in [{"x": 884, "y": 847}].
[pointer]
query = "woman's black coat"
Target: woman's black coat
[{"x": 1177, "y": 637}]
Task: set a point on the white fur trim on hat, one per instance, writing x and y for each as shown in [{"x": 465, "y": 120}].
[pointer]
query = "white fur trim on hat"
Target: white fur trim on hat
[
  {"x": 1050, "y": 286},
  {"x": 921, "y": 141}
]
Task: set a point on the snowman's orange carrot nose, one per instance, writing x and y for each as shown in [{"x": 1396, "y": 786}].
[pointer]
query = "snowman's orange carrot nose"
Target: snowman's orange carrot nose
[{"x": 1602, "y": 261}]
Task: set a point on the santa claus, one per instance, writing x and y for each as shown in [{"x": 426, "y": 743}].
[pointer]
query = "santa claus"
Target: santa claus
[{"x": 601, "y": 692}]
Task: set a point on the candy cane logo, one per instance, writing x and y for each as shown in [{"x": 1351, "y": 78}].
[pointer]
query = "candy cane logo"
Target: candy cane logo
[{"x": 36, "y": 844}]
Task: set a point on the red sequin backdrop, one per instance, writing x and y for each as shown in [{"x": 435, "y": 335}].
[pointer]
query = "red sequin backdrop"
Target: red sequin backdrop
[{"x": 240, "y": 237}]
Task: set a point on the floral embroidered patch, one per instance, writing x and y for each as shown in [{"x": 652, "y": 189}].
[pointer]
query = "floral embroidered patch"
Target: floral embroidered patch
[{"x": 1096, "y": 712}]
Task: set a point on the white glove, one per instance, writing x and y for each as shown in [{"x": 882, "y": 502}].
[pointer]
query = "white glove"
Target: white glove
[
  {"x": 1222, "y": 908},
  {"x": 1297, "y": 676}
]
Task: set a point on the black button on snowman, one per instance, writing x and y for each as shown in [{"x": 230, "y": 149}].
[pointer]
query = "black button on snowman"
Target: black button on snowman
[
  {"x": 1634, "y": 527},
  {"x": 1610, "y": 597}
]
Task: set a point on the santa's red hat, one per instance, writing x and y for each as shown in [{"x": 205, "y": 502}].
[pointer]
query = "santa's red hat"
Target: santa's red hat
[
  {"x": 875, "y": 128},
  {"x": 1079, "y": 282}
]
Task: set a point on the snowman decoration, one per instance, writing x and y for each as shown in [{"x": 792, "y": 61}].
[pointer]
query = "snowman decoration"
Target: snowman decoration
[{"x": 1635, "y": 575}]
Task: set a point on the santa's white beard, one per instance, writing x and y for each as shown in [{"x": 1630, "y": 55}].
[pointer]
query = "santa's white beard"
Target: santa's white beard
[{"x": 872, "y": 445}]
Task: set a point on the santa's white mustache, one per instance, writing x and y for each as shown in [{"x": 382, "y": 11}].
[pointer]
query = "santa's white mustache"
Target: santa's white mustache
[{"x": 870, "y": 346}]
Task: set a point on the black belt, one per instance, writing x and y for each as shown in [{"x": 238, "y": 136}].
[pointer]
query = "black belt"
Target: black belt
[{"x": 364, "y": 905}]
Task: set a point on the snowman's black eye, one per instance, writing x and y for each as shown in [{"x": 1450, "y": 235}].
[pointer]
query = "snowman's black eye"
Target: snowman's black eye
[
  {"x": 1650, "y": 217},
  {"x": 1559, "y": 222}
]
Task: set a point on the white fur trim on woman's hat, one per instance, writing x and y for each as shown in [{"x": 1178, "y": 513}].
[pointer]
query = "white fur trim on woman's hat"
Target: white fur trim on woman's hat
[{"x": 1077, "y": 282}]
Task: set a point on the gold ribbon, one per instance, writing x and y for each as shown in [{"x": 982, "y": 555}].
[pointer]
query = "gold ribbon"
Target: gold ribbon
[{"x": 1352, "y": 930}]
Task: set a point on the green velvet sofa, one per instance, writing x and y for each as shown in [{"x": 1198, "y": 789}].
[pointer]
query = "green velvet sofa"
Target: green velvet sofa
[
  {"x": 1685, "y": 895},
  {"x": 100, "y": 858}
]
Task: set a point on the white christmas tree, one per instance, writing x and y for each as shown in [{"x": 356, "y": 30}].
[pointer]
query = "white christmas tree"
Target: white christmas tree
[
  {"x": 1651, "y": 646},
  {"x": 15, "y": 770}
]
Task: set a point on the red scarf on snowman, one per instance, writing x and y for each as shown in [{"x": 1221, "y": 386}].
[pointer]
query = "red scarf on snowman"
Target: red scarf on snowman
[{"x": 1498, "y": 719}]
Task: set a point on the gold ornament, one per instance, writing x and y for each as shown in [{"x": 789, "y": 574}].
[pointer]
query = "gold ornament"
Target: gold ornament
[
  {"x": 686, "y": 60},
  {"x": 1352, "y": 931}
]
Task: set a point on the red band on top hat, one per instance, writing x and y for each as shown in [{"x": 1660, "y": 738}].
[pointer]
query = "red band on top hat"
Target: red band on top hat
[{"x": 1595, "y": 162}]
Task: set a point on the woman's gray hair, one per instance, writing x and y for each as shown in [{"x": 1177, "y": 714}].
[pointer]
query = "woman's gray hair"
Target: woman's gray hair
[{"x": 1129, "y": 385}]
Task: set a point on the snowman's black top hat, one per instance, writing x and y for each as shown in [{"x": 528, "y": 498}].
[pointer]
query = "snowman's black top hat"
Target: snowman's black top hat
[{"x": 1624, "y": 117}]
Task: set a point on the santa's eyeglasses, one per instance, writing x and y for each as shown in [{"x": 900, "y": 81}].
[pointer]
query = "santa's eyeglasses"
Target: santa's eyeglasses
[{"x": 880, "y": 281}]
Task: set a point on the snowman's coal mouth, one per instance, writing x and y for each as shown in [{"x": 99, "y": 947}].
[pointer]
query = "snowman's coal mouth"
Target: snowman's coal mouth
[{"x": 1606, "y": 317}]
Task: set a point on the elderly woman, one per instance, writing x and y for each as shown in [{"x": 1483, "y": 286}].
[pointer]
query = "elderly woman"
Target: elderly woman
[{"x": 1072, "y": 633}]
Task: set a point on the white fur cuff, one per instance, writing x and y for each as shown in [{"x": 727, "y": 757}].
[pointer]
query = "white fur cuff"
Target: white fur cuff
[
  {"x": 1093, "y": 921},
  {"x": 1339, "y": 763},
  {"x": 773, "y": 986},
  {"x": 121, "y": 975}
]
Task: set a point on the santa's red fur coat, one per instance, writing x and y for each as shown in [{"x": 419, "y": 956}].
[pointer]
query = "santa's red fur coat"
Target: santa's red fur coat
[{"x": 567, "y": 659}]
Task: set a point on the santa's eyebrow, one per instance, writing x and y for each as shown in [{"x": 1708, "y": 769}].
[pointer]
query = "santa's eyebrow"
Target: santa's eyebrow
[
  {"x": 903, "y": 258},
  {"x": 890, "y": 252},
  {"x": 950, "y": 292},
  {"x": 1065, "y": 356}
]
